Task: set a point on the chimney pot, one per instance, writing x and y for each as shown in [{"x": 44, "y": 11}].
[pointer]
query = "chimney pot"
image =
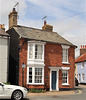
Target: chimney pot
[
  {"x": 47, "y": 27},
  {"x": 45, "y": 22},
  {"x": 85, "y": 46},
  {"x": 83, "y": 49},
  {"x": 81, "y": 46},
  {"x": 13, "y": 9},
  {"x": 2, "y": 26}
]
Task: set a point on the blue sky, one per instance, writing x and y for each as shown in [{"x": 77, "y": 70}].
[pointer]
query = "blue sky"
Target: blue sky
[{"x": 68, "y": 17}]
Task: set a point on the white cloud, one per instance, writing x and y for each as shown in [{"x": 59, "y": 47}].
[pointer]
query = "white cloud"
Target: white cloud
[
  {"x": 58, "y": 12},
  {"x": 73, "y": 30}
]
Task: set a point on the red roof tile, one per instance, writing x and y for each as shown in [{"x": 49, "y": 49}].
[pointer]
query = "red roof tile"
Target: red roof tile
[{"x": 81, "y": 58}]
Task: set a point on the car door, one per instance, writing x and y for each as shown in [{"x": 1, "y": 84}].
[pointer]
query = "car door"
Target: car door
[
  {"x": 1, "y": 91},
  {"x": 4, "y": 92}
]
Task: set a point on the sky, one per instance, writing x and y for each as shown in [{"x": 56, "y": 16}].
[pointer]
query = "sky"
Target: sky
[{"x": 68, "y": 17}]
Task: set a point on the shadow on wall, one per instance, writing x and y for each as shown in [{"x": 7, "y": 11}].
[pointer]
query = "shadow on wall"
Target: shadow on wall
[{"x": 13, "y": 71}]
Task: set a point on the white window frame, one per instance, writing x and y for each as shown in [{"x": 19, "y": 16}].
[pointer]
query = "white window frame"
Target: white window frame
[
  {"x": 33, "y": 76},
  {"x": 34, "y": 44},
  {"x": 82, "y": 65},
  {"x": 66, "y": 69},
  {"x": 82, "y": 77},
  {"x": 65, "y": 47}
]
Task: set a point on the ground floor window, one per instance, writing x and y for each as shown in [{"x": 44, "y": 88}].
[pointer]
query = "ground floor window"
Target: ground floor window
[
  {"x": 83, "y": 77},
  {"x": 35, "y": 75},
  {"x": 65, "y": 77},
  {"x": 79, "y": 77}
]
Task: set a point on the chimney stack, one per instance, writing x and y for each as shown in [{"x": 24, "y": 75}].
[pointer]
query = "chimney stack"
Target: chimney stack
[
  {"x": 47, "y": 27},
  {"x": 82, "y": 49},
  {"x": 2, "y": 27},
  {"x": 12, "y": 18}
]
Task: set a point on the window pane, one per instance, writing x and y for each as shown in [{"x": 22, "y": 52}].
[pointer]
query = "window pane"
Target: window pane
[
  {"x": 30, "y": 75},
  {"x": 65, "y": 55},
  {"x": 38, "y": 75},
  {"x": 64, "y": 76},
  {"x": 83, "y": 77},
  {"x": 82, "y": 65},
  {"x": 38, "y": 51},
  {"x": 30, "y": 51}
]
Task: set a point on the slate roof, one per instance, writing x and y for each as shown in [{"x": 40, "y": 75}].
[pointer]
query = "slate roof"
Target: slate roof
[
  {"x": 81, "y": 58},
  {"x": 3, "y": 33},
  {"x": 38, "y": 34}
]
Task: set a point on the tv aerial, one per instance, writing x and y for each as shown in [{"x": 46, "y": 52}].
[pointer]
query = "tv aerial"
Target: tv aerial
[
  {"x": 44, "y": 17},
  {"x": 17, "y": 7}
]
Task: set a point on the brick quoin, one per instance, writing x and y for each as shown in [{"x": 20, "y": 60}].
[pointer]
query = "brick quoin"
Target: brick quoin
[{"x": 52, "y": 57}]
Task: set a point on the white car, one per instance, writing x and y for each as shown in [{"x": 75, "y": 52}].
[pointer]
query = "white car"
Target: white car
[{"x": 12, "y": 92}]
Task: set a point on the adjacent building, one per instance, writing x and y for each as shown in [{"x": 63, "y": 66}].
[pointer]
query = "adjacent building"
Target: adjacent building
[
  {"x": 81, "y": 65},
  {"x": 4, "y": 57},
  {"x": 40, "y": 58}
]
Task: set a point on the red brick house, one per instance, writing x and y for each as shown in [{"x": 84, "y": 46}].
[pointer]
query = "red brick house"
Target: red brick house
[{"x": 48, "y": 58}]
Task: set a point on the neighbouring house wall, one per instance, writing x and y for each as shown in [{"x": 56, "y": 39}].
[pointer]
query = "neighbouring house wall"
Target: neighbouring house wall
[
  {"x": 13, "y": 57},
  {"x": 76, "y": 70},
  {"x": 81, "y": 71},
  {"x": 53, "y": 57},
  {"x": 4, "y": 59}
]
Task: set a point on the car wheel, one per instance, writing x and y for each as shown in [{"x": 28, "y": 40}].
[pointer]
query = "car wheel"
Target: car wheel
[{"x": 17, "y": 95}]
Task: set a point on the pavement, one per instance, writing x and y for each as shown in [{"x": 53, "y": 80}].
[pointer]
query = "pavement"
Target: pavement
[{"x": 77, "y": 90}]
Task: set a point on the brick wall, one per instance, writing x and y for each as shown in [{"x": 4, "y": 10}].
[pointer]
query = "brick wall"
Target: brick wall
[
  {"x": 53, "y": 57},
  {"x": 22, "y": 59}
]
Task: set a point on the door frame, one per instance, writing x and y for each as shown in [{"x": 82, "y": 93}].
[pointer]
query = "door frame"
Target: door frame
[
  {"x": 57, "y": 75},
  {"x": 54, "y": 78}
]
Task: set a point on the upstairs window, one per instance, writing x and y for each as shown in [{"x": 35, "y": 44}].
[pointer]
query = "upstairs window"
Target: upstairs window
[
  {"x": 65, "y": 53},
  {"x": 30, "y": 51},
  {"x": 36, "y": 51},
  {"x": 82, "y": 66}
]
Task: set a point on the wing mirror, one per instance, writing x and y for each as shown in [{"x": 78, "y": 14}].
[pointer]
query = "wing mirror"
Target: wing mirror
[{"x": 2, "y": 84}]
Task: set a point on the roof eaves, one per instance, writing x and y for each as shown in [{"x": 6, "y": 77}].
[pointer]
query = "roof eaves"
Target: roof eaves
[{"x": 49, "y": 41}]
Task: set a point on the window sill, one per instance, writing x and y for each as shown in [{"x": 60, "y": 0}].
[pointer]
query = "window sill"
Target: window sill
[
  {"x": 35, "y": 83},
  {"x": 65, "y": 63},
  {"x": 66, "y": 84},
  {"x": 35, "y": 59}
]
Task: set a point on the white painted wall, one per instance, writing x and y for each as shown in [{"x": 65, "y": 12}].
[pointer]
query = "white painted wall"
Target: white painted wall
[{"x": 3, "y": 59}]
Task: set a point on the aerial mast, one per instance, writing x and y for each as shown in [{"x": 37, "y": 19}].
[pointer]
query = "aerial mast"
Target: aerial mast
[{"x": 17, "y": 5}]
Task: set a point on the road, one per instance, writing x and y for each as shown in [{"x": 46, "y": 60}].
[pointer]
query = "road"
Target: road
[
  {"x": 76, "y": 96},
  {"x": 65, "y": 97}
]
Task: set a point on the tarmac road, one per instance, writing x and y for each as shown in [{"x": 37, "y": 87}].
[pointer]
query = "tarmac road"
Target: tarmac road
[{"x": 77, "y": 96}]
